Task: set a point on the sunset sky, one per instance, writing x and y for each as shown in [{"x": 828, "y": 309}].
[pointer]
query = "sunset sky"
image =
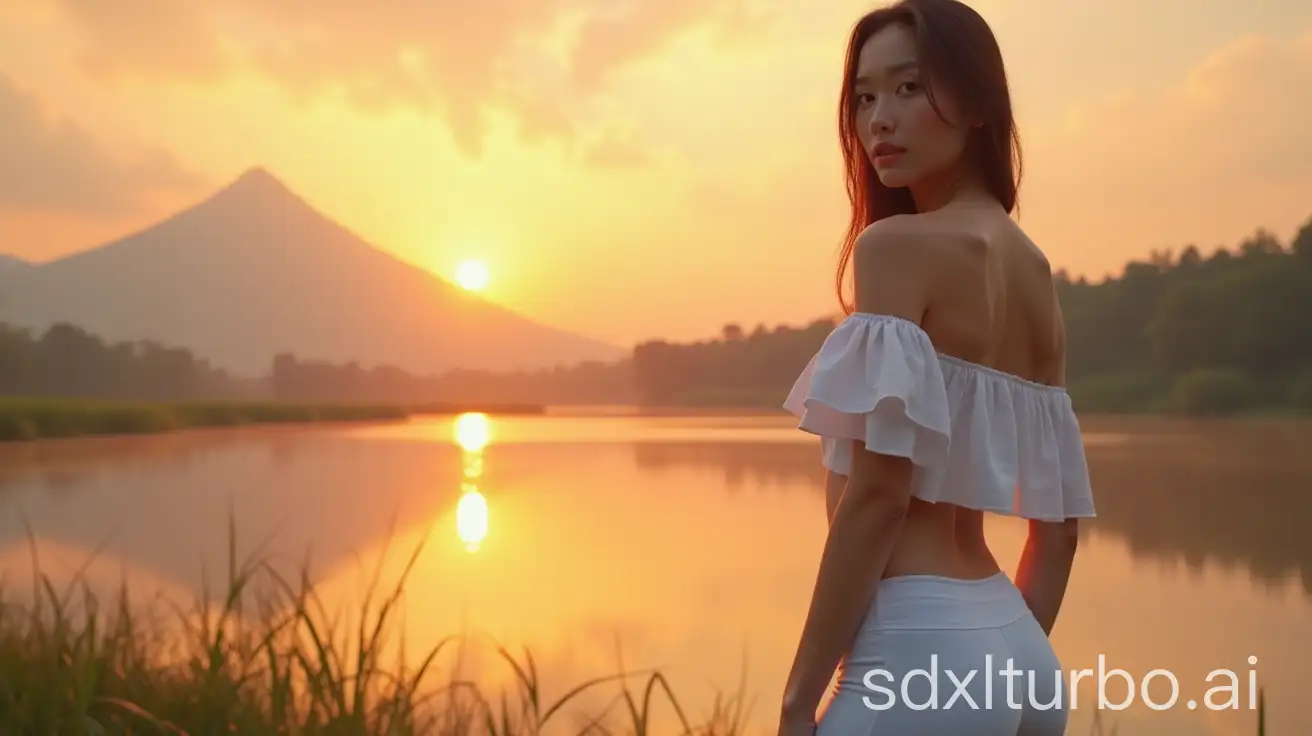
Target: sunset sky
[{"x": 631, "y": 168}]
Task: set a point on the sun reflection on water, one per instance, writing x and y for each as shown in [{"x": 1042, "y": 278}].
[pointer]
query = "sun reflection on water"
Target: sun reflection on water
[{"x": 472, "y": 432}]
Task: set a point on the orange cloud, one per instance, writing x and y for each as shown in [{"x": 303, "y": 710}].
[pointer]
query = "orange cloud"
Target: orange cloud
[
  {"x": 609, "y": 41},
  {"x": 166, "y": 37},
  {"x": 50, "y": 165},
  {"x": 1204, "y": 161},
  {"x": 1239, "y": 116},
  {"x": 536, "y": 60}
]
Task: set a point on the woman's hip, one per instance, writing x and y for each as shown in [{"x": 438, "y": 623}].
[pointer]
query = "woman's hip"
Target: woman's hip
[{"x": 951, "y": 656}]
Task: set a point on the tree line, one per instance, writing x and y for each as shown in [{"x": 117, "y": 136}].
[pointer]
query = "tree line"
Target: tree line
[
  {"x": 67, "y": 361},
  {"x": 297, "y": 379},
  {"x": 1225, "y": 333},
  {"x": 1177, "y": 333}
]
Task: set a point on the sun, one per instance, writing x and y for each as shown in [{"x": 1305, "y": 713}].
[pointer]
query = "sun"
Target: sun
[{"x": 472, "y": 275}]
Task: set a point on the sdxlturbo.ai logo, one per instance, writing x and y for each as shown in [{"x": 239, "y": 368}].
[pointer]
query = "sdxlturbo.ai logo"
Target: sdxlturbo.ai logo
[{"x": 1223, "y": 696}]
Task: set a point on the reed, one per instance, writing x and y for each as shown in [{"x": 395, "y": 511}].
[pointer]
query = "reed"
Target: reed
[{"x": 269, "y": 659}]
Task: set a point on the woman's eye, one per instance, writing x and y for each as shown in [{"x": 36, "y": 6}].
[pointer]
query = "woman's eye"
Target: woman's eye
[
  {"x": 864, "y": 98},
  {"x": 908, "y": 88}
]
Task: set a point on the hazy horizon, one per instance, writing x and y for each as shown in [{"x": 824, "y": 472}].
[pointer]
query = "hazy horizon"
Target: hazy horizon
[{"x": 592, "y": 160}]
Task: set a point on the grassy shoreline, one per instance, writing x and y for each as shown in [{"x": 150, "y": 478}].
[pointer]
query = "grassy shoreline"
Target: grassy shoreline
[
  {"x": 277, "y": 662},
  {"x": 27, "y": 419},
  {"x": 270, "y": 659}
]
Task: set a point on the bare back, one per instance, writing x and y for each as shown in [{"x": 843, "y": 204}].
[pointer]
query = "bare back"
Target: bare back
[{"x": 995, "y": 306}]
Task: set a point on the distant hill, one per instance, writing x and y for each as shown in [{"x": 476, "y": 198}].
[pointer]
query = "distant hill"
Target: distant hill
[
  {"x": 12, "y": 263},
  {"x": 254, "y": 271},
  {"x": 12, "y": 271},
  {"x": 12, "y": 268}
]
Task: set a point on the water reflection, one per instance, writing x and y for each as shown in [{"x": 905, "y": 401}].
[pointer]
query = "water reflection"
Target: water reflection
[
  {"x": 1181, "y": 494},
  {"x": 300, "y": 497},
  {"x": 692, "y": 542},
  {"x": 471, "y": 519},
  {"x": 1225, "y": 504},
  {"x": 473, "y": 433}
]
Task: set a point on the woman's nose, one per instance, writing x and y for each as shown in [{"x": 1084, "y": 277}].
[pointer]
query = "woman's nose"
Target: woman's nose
[{"x": 881, "y": 118}]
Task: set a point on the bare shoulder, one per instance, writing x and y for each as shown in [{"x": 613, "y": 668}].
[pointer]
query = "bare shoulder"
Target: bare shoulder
[{"x": 902, "y": 264}]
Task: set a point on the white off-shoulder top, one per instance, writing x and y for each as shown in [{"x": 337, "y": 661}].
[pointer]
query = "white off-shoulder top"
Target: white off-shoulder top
[{"x": 978, "y": 437}]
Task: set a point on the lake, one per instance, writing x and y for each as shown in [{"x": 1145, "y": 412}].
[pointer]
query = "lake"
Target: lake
[{"x": 688, "y": 543}]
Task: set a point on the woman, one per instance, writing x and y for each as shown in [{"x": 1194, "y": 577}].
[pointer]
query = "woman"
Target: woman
[{"x": 938, "y": 397}]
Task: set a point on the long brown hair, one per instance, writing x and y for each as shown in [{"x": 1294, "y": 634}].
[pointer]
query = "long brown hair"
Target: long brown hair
[{"x": 958, "y": 50}]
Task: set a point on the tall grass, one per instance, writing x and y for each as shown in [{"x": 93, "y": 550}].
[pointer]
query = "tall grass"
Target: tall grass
[{"x": 269, "y": 659}]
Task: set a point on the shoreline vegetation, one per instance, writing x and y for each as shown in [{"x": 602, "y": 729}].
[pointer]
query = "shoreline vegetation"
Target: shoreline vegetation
[
  {"x": 36, "y": 418},
  {"x": 25, "y": 419},
  {"x": 1182, "y": 334},
  {"x": 269, "y": 658}
]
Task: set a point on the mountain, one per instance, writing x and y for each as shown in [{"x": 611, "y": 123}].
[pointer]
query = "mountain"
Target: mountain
[
  {"x": 254, "y": 270},
  {"x": 12, "y": 270},
  {"x": 10, "y": 263}
]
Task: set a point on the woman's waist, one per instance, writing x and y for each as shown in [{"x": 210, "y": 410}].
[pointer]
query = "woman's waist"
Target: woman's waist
[
  {"x": 936, "y": 540},
  {"x": 930, "y": 601}
]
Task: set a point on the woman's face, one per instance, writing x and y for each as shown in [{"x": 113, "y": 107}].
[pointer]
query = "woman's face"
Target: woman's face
[{"x": 904, "y": 138}]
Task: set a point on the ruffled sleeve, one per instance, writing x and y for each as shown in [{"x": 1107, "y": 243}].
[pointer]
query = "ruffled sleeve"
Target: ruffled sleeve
[{"x": 876, "y": 379}]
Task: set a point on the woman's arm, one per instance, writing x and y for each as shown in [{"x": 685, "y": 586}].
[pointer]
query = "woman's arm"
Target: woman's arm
[
  {"x": 892, "y": 270},
  {"x": 862, "y": 532},
  {"x": 1049, "y": 554},
  {"x": 834, "y": 485},
  {"x": 1045, "y": 568}
]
